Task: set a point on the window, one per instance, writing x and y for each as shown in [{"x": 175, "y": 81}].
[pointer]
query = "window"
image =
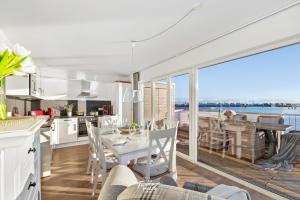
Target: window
[
  {"x": 238, "y": 99},
  {"x": 160, "y": 102},
  {"x": 147, "y": 101}
]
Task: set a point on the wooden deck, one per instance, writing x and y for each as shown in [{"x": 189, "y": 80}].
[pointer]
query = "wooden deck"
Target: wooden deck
[
  {"x": 284, "y": 183},
  {"x": 287, "y": 183},
  {"x": 69, "y": 181}
]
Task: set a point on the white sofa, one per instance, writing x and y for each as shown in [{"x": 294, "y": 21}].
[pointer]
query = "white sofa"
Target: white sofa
[{"x": 122, "y": 184}]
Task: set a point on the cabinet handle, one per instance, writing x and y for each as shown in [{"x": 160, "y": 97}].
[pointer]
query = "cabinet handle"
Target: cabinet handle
[
  {"x": 31, "y": 150},
  {"x": 31, "y": 184},
  {"x": 53, "y": 127}
]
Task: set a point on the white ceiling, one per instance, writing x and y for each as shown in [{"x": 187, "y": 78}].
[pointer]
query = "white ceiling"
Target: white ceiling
[{"x": 92, "y": 37}]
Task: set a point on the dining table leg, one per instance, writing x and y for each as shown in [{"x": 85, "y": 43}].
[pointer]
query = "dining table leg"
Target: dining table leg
[
  {"x": 278, "y": 135},
  {"x": 238, "y": 144}
]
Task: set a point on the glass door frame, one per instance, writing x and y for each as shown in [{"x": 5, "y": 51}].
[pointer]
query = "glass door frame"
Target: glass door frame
[{"x": 193, "y": 107}]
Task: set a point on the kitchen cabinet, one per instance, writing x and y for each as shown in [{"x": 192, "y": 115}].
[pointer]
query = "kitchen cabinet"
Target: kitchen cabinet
[
  {"x": 20, "y": 164},
  {"x": 64, "y": 130},
  {"x": 22, "y": 85},
  {"x": 52, "y": 87}
]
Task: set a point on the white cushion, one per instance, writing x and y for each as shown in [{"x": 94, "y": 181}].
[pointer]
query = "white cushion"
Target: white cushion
[
  {"x": 118, "y": 180},
  {"x": 156, "y": 168},
  {"x": 230, "y": 192},
  {"x": 164, "y": 192}
]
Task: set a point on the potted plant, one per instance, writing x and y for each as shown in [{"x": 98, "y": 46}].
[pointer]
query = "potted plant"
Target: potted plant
[
  {"x": 69, "y": 110},
  {"x": 134, "y": 127},
  {"x": 15, "y": 61}
]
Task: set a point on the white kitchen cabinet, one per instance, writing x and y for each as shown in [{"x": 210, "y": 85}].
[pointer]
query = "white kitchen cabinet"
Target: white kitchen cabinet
[
  {"x": 20, "y": 164},
  {"x": 22, "y": 85},
  {"x": 53, "y": 87},
  {"x": 64, "y": 130}
]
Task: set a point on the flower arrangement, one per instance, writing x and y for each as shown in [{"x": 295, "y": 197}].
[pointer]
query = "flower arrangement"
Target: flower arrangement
[
  {"x": 229, "y": 114},
  {"x": 134, "y": 126},
  {"x": 15, "y": 61}
]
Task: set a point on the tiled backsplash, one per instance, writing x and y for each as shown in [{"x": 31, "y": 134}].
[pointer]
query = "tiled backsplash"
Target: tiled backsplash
[
  {"x": 26, "y": 105},
  {"x": 58, "y": 104},
  {"x": 22, "y": 105}
]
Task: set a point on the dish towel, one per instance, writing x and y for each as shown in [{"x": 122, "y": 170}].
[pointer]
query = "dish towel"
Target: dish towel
[{"x": 229, "y": 192}]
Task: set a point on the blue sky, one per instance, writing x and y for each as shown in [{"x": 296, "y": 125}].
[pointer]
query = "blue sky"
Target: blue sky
[{"x": 270, "y": 76}]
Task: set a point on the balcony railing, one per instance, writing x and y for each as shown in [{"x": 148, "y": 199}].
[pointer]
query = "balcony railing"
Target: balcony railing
[{"x": 289, "y": 118}]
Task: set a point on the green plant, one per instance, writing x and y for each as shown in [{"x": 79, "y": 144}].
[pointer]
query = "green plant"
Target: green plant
[
  {"x": 134, "y": 125},
  {"x": 12, "y": 62},
  {"x": 69, "y": 108}
]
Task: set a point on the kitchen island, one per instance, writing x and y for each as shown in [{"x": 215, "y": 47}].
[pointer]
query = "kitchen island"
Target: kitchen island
[{"x": 20, "y": 158}]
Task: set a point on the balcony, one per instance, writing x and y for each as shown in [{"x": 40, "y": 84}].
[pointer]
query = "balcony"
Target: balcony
[{"x": 243, "y": 167}]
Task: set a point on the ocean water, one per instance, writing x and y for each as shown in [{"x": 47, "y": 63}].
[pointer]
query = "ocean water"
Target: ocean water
[
  {"x": 271, "y": 110},
  {"x": 291, "y": 115}
]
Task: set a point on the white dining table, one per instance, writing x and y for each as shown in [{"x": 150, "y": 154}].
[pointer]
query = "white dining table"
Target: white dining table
[{"x": 136, "y": 146}]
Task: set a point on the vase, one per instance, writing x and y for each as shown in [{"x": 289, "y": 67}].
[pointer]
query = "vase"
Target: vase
[
  {"x": 69, "y": 114},
  {"x": 3, "y": 108}
]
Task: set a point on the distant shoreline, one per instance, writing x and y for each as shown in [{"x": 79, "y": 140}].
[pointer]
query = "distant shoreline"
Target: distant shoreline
[{"x": 286, "y": 105}]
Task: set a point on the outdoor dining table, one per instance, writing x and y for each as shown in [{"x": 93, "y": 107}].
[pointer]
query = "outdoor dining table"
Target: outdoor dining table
[
  {"x": 280, "y": 129},
  {"x": 237, "y": 129}
]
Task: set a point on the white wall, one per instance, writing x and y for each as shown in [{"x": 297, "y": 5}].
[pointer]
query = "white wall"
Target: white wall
[
  {"x": 4, "y": 39},
  {"x": 277, "y": 30}
]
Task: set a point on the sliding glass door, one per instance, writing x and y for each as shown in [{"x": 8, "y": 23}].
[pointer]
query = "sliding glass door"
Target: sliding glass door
[
  {"x": 248, "y": 109},
  {"x": 180, "y": 93}
]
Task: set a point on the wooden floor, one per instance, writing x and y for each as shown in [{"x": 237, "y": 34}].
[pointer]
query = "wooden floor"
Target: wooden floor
[{"x": 69, "y": 181}]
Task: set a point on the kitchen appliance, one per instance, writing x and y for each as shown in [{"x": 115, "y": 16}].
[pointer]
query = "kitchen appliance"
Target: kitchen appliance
[
  {"x": 87, "y": 89},
  {"x": 82, "y": 130},
  {"x": 50, "y": 112},
  {"x": 37, "y": 112},
  {"x": 105, "y": 110}
]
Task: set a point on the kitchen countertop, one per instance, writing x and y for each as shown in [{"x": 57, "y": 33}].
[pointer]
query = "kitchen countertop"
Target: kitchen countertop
[
  {"x": 19, "y": 128},
  {"x": 74, "y": 116}
]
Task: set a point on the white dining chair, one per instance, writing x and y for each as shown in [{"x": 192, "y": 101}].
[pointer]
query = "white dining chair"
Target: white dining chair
[
  {"x": 167, "y": 124},
  {"x": 109, "y": 121},
  {"x": 108, "y": 124},
  {"x": 92, "y": 148},
  {"x": 149, "y": 124},
  {"x": 101, "y": 161},
  {"x": 162, "y": 143}
]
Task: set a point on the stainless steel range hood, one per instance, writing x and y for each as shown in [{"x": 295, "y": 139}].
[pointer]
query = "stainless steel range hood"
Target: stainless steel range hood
[{"x": 86, "y": 91}]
